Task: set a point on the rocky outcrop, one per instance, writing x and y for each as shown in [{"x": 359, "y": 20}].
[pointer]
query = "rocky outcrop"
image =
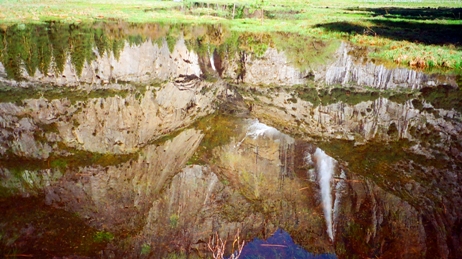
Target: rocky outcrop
[
  {"x": 380, "y": 119},
  {"x": 349, "y": 69},
  {"x": 375, "y": 138},
  {"x": 138, "y": 63},
  {"x": 360, "y": 214},
  {"x": 27, "y": 183},
  {"x": 118, "y": 197},
  {"x": 118, "y": 124},
  {"x": 149, "y": 61},
  {"x": 272, "y": 68},
  {"x": 123, "y": 124},
  {"x": 118, "y": 160},
  {"x": 242, "y": 191},
  {"x": 373, "y": 216}
]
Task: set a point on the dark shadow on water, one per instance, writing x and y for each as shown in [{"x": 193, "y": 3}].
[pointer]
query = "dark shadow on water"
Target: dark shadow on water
[
  {"x": 439, "y": 13},
  {"x": 31, "y": 229},
  {"x": 425, "y": 33},
  {"x": 279, "y": 245}
]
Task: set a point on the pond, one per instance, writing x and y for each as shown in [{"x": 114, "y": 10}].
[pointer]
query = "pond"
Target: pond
[{"x": 122, "y": 140}]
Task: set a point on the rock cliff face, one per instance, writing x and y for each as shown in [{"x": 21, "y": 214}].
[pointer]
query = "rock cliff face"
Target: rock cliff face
[
  {"x": 362, "y": 214},
  {"x": 122, "y": 120},
  {"x": 349, "y": 69},
  {"x": 378, "y": 119},
  {"x": 230, "y": 196},
  {"x": 138, "y": 159},
  {"x": 273, "y": 68},
  {"x": 375, "y": 215},
  {"x": 119, "y": 124},
  {"x": 399, "y": 147},
  {"x": 148, "y": 60},
  {"x": 118, "y": 197},
  {"x": 138, "y": 63}
]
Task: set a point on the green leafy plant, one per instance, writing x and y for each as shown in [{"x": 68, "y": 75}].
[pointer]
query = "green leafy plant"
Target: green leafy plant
[
  {"x": 145, "y": 249},
  {"x": 174, "y": 220},
  {"x": 103, "y": 236}
]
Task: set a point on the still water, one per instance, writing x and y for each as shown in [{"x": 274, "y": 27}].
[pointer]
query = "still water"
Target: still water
[{"x": 176, "y": 141}]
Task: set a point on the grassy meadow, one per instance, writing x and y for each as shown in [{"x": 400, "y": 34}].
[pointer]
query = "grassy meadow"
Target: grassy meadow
[{"x": 422, "y": 34}]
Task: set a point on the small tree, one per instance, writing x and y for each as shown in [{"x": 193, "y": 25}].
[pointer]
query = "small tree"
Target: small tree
[{"x": 217, "y": 246}]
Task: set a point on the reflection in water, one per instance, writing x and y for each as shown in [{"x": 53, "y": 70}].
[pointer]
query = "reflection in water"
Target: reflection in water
[
  {"x": 258, "y": 129},
  {"x": 340, "y": 188},
  {"x": 324, "y": 172},
  {"x": 325, "y": 166},
  {"x": 141, "y": 132}
]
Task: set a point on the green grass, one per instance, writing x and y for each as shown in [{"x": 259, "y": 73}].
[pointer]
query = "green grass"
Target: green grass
[
  {"x": 313, "y": 12},
  {"x": 422, "y": 35}
]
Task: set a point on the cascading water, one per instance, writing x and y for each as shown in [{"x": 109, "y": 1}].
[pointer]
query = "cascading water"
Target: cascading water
[
  {"x": 212, "y": 62},
  {"x": 339, "y": 188},
  {"x": 257, "y": 129},
  {"x": 325, "y": 166}
]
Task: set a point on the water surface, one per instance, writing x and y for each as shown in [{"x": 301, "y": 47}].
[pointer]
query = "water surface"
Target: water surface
[{"x": 149, "y": 140}]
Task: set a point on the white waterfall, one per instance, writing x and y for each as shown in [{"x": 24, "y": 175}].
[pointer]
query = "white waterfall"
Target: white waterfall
[
  {"x": 325, "y": 166},
  {"x": 339, "y": 188},
  {"x": 212, "y": 61},
  {"x": 257, "y": 129}
]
